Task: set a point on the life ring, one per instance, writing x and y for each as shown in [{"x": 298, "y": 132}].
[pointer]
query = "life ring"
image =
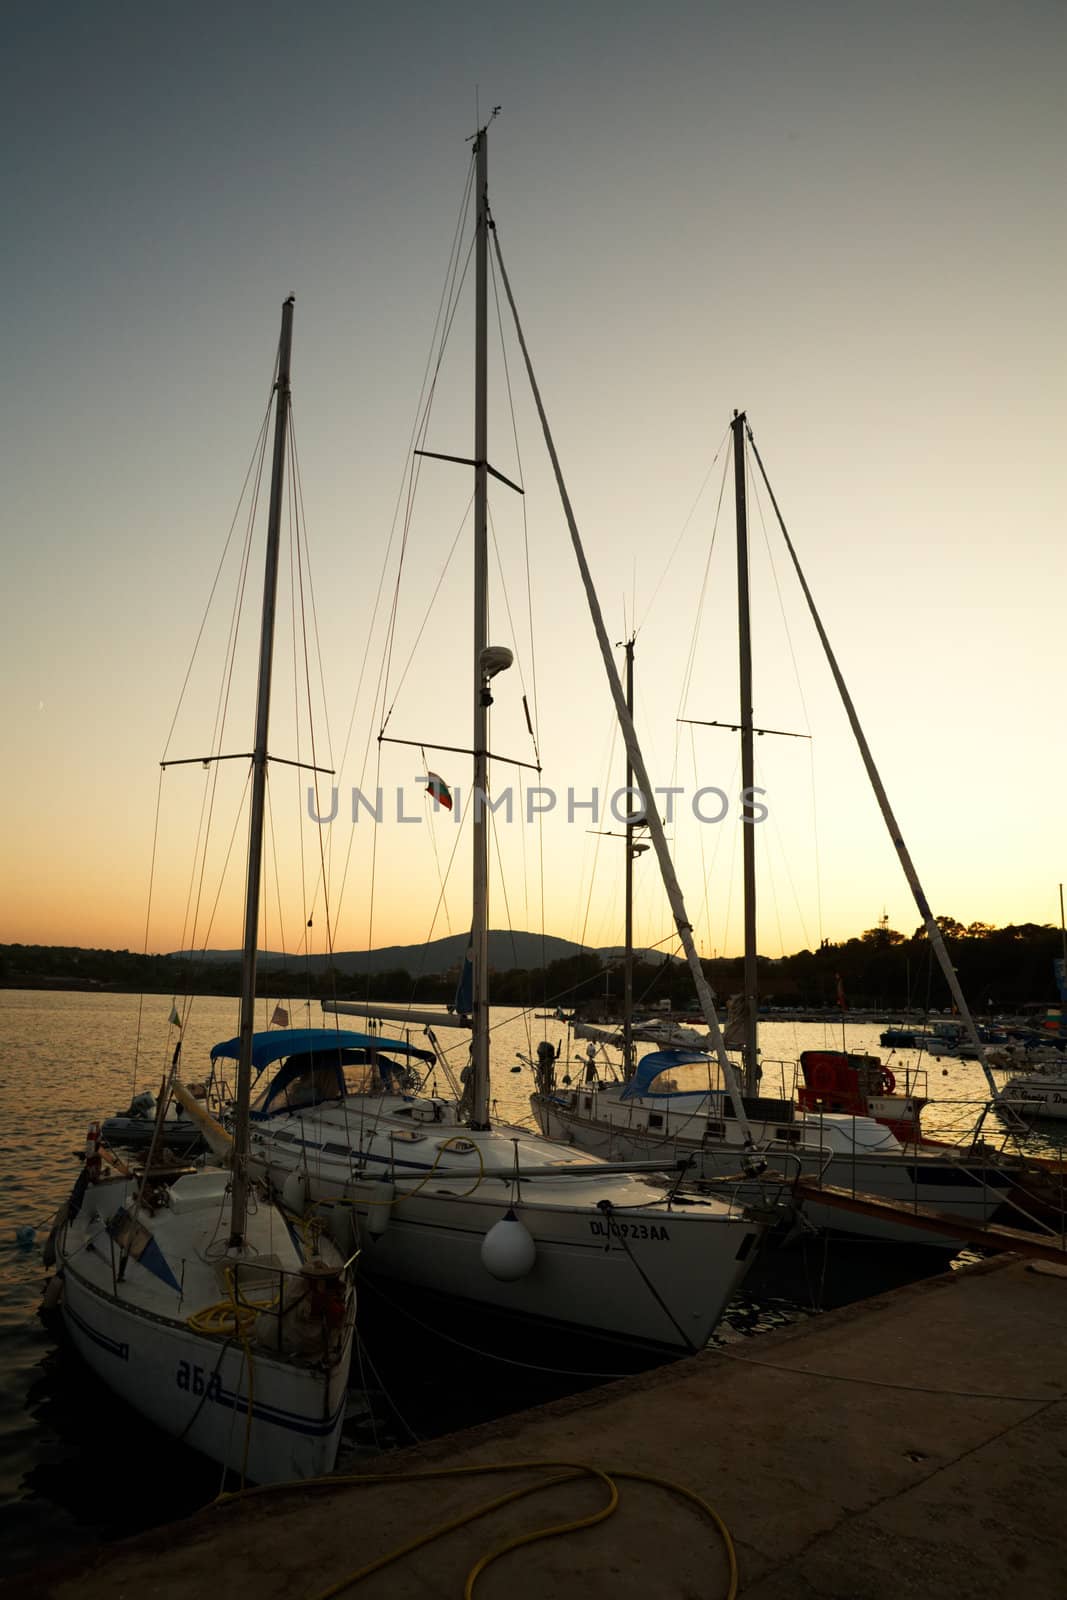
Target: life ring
[
  {"x": 823, "y": 1078},
  {"x": 889, "y": 1082}
]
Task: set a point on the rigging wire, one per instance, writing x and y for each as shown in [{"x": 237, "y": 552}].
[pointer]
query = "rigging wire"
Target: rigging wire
[
  {"x": 414, "y": 473},
  {"x": 694, "y": 638},
  {"x": 536, "y": 729},
  {"x": 293, "y": 558},
  {"x": 303, "y": 561},
  {"x": 507, "y": 913},
  {"x": 536, "y": 733},
  {"x": 674, "y": 551},
  {"x": 511, "y": 624},
  {"x": 189, "y": 939},
  {"x": 754, "y": 495},
  {"x": 447, "y": 298},
  {"x": 147, "y": 925},
  {"x": 445, "y": 313},
  {"x": 387, "y": 714},
  {"x": 257, "y": 450},
  {"x": 430, "y": 807},
  {"x": 598, "y": 837}
]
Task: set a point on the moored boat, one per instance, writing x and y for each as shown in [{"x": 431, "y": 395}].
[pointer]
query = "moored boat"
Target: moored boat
[
  {"x": 192, "y": 1296},
  {"x": 441, "y": 1197}
]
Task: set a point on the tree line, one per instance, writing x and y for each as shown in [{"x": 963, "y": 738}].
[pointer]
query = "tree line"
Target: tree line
[{"x": 880, "y": 969}]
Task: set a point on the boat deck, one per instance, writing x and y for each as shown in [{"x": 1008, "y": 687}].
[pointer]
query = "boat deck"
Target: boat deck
[{"x": 912, "y": 1443}]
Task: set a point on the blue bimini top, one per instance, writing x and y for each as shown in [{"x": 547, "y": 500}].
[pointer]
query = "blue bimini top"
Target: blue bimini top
[
  {"x": 318, "y": 1056},
  {"x": 650, "y": 1067}
]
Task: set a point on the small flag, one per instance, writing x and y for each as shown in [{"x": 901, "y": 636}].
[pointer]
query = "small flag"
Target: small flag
[
  {"x": 842, "y": 1002},
  {"x": 280, "y": 1019},
  {"x": 438, "y": 788},
  {"x": 174, "y": 1019}
]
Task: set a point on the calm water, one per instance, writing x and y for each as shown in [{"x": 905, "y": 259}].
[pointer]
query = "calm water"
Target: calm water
[{"x": 66, "y": 1447}]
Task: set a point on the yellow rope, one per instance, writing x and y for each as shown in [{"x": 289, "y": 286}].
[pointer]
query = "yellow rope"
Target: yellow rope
[
  {"x": 230, "y": 1319},
  {"x": 241, "y": 1311},
  {"x": 562, "y": 1472}
]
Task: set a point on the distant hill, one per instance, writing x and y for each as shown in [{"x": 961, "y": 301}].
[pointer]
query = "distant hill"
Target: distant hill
[{"x": 506, "y": 950}]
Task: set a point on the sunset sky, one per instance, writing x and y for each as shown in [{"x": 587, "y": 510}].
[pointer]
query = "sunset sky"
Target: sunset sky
[{"x": 847, "y": 219}]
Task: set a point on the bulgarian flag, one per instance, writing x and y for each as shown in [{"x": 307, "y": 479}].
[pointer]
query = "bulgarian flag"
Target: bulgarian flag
[{"x": 438, "y": 788}]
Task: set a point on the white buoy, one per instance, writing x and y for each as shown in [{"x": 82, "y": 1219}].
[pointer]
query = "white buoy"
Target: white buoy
[
  {"x": 508, "y": 1249},
  {"x": 295, "y": 1193}
]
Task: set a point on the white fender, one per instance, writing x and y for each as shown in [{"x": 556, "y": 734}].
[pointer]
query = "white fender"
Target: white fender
[
  {"x": 379, "y": 1208},
  {"x": 508, "y": 1249}
]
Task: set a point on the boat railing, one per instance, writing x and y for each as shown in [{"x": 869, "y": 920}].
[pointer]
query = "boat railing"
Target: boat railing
[
  {"x": 778, "y": 1079},
  {"x": 266, "y": 1289}
]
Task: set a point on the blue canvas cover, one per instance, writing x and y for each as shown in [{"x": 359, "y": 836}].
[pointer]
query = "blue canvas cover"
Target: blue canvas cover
[
  {"x": 650, "y": 1067},
  {"x": 313, "y": 1063},
  {"x": 278, "y": 1043}
]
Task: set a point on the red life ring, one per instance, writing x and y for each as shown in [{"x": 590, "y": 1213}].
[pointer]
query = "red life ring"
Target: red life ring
[{"x": 889, "y": 1082}]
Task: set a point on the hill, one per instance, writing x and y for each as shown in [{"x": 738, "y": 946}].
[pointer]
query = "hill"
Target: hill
[{"x": 506, "y": 951}]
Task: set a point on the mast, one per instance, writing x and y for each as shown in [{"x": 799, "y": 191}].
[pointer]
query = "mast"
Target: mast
[
  {"x": 259, "y": 787},
  {"x": 628, "y": 958},
  {"x": 748, "y": 777},
  {"x": 482, "y": 697},
  {"x": 933, "y": 932},
  {"x": 633, "y": 749}
]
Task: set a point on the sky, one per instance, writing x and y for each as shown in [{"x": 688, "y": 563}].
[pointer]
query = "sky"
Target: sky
[{"x": 847, "y": 219}]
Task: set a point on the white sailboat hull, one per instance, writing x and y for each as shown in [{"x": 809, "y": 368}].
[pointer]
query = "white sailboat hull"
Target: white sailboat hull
[
  {"x": 659, "y": 1279},
  {"x": 645, "y": 1274},
  {"x": 256, "y": 1403},
  {"x": 941, "y": 1185},
  {"x": 196, "y": 1389}
]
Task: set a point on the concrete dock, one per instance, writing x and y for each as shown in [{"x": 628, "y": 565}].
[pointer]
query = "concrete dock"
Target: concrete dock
[{"x": 914, "y": 1444}]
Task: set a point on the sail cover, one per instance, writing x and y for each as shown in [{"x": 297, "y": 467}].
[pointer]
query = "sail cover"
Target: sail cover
[{"x": 409, "y": 1015}]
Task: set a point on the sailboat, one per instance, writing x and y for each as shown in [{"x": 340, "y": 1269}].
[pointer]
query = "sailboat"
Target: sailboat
[
  {"x": 194, "y": 1299},
  {"x": 437, "y": 1197},
  {"x": 672, "y": 1102}
]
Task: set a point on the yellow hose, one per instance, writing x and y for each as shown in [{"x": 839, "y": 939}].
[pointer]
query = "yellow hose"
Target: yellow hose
[{"x": 563, "y": 1472}]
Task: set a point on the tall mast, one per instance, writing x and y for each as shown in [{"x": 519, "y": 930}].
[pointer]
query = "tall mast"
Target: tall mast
[
  {"x": 259, "y": 787},
  {"x": 482, "y": 698},
  {"x": 748, "y": 779},
  {"x": 933, "y": 931},
  {"x": 633, "y": 750},
  {"x": 628, "y": 958}
]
